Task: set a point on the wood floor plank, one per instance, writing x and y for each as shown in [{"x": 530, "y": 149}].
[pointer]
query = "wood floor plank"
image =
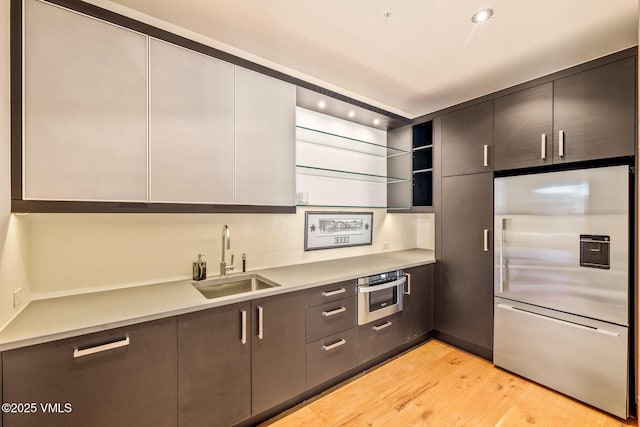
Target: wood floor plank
[
  {"x": 353, "y": 404},
  {"x": 457, "y": 378},
  {"x": 438, "y": 385},
  {"x": 303, "y": 417}
]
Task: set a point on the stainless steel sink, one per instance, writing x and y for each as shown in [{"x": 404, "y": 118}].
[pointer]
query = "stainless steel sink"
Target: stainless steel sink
[{"x": 232, "y": 285}]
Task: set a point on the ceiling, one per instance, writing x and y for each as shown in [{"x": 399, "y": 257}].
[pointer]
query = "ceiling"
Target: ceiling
[{"x": 427, "y": 55}]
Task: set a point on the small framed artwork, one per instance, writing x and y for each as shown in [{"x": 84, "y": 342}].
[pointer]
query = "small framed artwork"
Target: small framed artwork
[{"x": 328, "y": 230}]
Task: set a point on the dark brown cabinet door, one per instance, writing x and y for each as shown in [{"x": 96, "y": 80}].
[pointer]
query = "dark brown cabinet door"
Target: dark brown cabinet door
[
  {"x": 467, "y": 136},
  {"x": 379, "y": 337},
  {"x": 278, "y": 353},
  {"x": 120, "y": 377},
  {"x": 463, "y": 299},
  {"x": 595, "y": 112},
  {"x": 417, "y": 314},
  {"x": 523, "y": 131},
  {"x": 330, "y": 356},
  {"x": 214, "y": 366}
]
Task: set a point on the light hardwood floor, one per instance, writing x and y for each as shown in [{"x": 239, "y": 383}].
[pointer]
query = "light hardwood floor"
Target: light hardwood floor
[{"x": 438, "y": 385}]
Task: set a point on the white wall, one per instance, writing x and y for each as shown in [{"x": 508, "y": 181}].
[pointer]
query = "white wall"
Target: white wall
[
  {"x": 14, "y": 231},
  {"x": 81, "y": 252},
  {"x": 58, "y": 254}
]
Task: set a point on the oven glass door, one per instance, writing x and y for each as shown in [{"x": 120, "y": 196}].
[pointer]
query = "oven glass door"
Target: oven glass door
[{"x": 383, "y": 298}]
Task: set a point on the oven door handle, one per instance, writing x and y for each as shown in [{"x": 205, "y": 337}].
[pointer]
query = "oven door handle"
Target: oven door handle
[{"x": 368, "y": 289}]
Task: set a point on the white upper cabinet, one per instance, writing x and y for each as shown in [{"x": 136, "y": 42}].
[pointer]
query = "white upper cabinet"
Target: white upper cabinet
[
  {"x": 85, "y": 108},
  {"x": 190, "y": 125},
  {"x": 265, "y": 140},
  {"x": 113, "y": 115}
]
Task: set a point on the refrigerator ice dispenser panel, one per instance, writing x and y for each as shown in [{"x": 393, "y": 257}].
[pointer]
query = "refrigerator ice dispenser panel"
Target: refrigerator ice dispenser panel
[{"x": 594, "y": 251}]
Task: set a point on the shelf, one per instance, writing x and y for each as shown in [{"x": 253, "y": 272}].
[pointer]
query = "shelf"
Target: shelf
[
  {"x": 340, "y": 206},
  {"x": 318, "y": 137},
  {"x": 423, "y": 170},
  {"x": 333, "y": 173},
  {"x": 423, "y": 147}
]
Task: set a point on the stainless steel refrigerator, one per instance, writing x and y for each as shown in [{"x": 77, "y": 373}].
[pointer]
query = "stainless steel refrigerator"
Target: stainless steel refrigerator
[{"x": 561, "y": 282}]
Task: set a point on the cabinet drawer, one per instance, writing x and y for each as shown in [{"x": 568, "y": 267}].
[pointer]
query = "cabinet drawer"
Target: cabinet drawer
[
  {"x": 332, "y": 292},
  {"x": 583, "y": 358},
  {"x": 378, "y": 337},
  {"x": 327, "y": 319},
  {"x": 124, "y": 376},
  {"x": 330, "y": 356}
]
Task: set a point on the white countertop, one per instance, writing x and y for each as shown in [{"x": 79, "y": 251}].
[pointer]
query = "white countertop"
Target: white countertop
[{"x": 57, "y": 318}]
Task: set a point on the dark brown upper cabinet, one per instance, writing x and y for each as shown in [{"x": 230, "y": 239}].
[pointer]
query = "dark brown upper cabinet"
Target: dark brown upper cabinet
[
  {"x": 467, "y": 136},
  {"x": 594, "y": 113},
  {"x": 523, "y": 128}
]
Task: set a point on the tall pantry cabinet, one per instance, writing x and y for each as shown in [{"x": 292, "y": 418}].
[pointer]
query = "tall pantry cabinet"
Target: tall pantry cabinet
[{"x": 463, "y": 299}]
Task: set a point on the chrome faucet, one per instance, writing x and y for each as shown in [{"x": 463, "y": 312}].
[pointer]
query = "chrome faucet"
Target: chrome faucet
[{"x": 226, "y": 238}]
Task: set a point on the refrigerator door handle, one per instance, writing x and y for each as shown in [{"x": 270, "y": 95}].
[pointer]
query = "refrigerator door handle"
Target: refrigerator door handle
[
  {"x": 503, "y": 223},
  {"x": 554, "y": 320}
]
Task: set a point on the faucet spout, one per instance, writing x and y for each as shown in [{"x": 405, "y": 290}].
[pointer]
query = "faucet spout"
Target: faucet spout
[{"x": 226, "y": 241}]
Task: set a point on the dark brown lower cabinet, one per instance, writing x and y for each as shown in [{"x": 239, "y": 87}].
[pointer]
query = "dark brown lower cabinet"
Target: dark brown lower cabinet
[
  {"x": 463, "y": 299},
  {"x": 330, "y": 356},
  {"x": 417, "y": 314},
  {"x": 214, "y": 366},
  {"x": 119, "y": 377},
  {"x": 278, "y": 349},
  {"x": 379, "y": 337},
  {"x": 329, "y": 318}
]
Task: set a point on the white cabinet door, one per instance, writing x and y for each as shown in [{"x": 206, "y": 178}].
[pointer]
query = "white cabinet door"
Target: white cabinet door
[
  {"x": 85, "y": 108},
  {"x": 191, "y": 126},
  {"x": 265, "y": 140}
]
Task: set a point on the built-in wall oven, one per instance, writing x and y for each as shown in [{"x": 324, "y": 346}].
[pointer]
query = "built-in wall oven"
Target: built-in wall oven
[{"x": 380, "y": 295}]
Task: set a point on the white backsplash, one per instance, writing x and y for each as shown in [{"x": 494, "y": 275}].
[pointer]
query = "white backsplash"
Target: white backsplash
[{"x": 73, "y": 253}]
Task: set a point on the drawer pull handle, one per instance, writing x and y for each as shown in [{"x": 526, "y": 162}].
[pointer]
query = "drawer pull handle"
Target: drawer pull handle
[
  {"x": 333, "y": 312},
  {"x": 560, "y": 321},
  {"x": 100, "y": 348},
  {"x": 383, "y": 326},
  {"x": 334, "y": 292},
  {"x": 336, "y": 344}
]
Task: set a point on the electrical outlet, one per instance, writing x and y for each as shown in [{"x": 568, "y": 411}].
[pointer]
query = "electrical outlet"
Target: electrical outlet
[
  {"x": 386, "y": 245},
  {"x": 17, "y": 298}
]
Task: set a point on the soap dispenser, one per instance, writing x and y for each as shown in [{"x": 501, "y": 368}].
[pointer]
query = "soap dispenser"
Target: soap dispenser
[{"x": 199, "y": 268}]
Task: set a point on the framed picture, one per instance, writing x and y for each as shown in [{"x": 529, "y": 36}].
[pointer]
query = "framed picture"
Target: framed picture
[{"x": 328, "y": 230}]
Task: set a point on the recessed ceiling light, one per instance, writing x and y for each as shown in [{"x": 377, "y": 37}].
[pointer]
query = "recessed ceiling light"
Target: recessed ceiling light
[
  {"x": 351, "y": 114},
  {"x": 376, "y": 121},
  {"x": 482, "y": 15},
  {"x": 321, "y": 104}
]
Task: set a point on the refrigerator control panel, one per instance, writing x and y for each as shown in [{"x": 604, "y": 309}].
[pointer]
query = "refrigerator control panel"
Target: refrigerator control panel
[{"x": 594, "y": 251}]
